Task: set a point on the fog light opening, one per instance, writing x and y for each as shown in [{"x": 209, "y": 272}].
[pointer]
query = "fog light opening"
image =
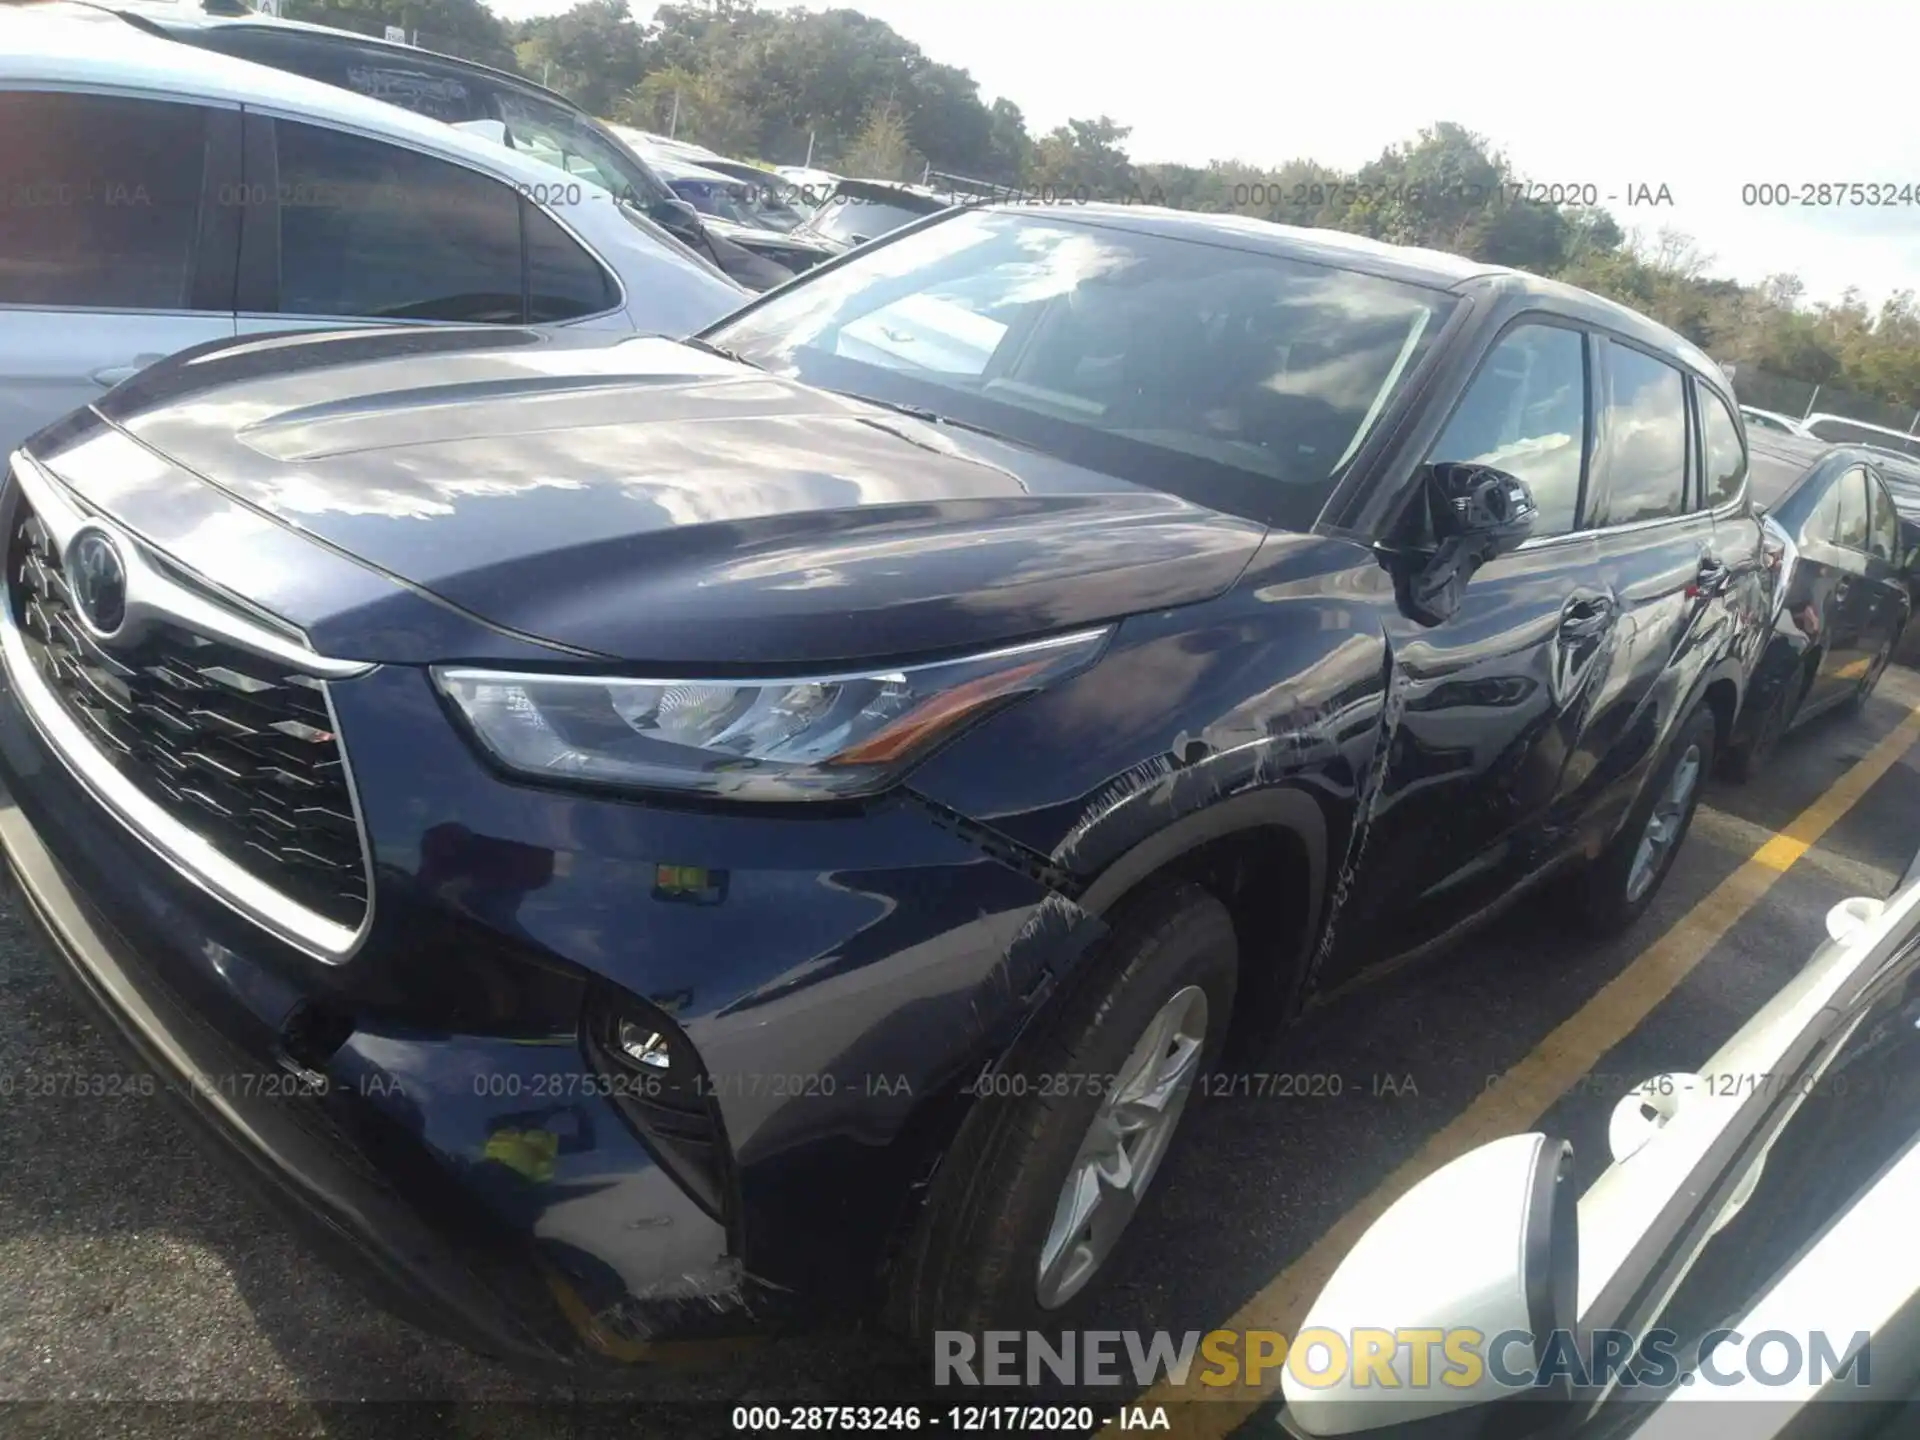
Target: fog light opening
[
  {"x": 645, "y": 1045},
  {"x": 656, "y": 1081}
]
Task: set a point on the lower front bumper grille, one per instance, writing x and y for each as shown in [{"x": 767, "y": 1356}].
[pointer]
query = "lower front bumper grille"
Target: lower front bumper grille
[{"x": 232, "y": 745}]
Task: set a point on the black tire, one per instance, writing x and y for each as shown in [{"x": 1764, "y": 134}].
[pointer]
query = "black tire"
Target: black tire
[
  {"x": 1605, "y": 891},
  {"x": 973, "y": 1260}
]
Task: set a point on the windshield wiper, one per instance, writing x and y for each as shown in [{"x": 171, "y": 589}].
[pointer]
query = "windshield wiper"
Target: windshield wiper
[
  {"x": 926, "y": 416},
  {"x": 725, "y": 354}
]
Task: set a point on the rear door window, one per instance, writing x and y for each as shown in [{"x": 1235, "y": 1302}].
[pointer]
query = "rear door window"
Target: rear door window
[
  {"x": 376, "y": 230},
  {"x": 1725, "y": 452},
  {"x": 1646, "y": 439},
  {"x": 100, "y": 200}
]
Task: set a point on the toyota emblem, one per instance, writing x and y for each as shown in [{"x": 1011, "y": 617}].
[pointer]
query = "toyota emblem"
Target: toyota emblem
[{"x": 97, "y": 580}]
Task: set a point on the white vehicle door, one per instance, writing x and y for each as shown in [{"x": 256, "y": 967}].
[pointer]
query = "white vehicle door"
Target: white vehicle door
[
  {"x": 117, "y": 242},
  {"x": 354, "y": 230},
  {"x": 1797, "y": 1240}
]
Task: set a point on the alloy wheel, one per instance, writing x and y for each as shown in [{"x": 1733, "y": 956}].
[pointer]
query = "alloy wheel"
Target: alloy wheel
[
  {"x": 1664, "y": 824},
  {"x": 1123, "y": 1147}
]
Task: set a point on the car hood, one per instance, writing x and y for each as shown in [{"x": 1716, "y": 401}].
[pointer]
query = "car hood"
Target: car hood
[
  {"x": 827, "y": 243},
  {"x": 644, "y": 499}
]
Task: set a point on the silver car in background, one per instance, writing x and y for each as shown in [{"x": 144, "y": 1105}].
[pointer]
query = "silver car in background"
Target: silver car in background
[{"x": 172, "y": 197}]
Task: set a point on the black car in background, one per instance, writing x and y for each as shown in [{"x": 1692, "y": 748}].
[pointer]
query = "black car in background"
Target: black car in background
[
  {"x": 728, "y": 208},
  {"x": 763, "y": 829},
  {"x": 856, "y": 211},
  {"x": 1841, "y": 595},
  {"x": 1902, "y": 476},
  {"x": 459, "y": 92},
  {"x": 771, "y": 192}
]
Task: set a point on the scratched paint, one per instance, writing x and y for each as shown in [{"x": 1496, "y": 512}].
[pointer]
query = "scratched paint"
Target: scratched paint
[{"x": 1371, "y": 794}]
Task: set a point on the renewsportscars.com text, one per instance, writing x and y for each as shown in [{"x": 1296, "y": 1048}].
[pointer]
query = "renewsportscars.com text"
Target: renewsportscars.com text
[{"x": 1391, "y": 1359}]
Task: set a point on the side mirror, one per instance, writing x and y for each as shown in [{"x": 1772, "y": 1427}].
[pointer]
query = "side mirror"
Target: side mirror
[
  {"x": 1475, "y": 513},
  {"x": 676, "y": 215},
  {"x": 1462, "y": 1286},
  {"x": 1644, "y": 1111}
]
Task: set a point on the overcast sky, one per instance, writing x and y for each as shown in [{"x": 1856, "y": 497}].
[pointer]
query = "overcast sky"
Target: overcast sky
[{"x": 1701, "y": 98}]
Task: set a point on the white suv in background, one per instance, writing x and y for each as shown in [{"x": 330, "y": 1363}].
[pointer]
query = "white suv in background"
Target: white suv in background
[{"x": 154, "y": 196}]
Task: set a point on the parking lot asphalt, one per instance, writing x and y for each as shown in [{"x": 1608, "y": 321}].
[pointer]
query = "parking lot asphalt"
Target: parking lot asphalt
[{"x": 131, "y": 1271}]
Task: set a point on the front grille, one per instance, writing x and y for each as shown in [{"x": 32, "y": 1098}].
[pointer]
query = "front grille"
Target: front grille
[{"x": 229, "y": 743}]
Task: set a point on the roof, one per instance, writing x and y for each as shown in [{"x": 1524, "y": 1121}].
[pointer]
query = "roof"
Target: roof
[
  {"x": 1779, "y": 462},
  {"x": 1328, "y": 247},
  {"x": 70, "y": 43},
  {"x": 1820, "y": 415},
  {"x": 671, "y": 167},
  {"x": 184, "y": 15},
  {"x": 1786, "y": 448}
]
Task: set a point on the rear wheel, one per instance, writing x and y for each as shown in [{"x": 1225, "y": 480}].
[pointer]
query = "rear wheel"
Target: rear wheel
[
  {"x": 1049, "y": 1169},
  {"x": 1617, "y": 888}
]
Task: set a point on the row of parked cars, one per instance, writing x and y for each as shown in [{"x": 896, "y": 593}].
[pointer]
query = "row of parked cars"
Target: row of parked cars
[
  {"x": 719, "y": 809},
  {"x": 192, "y": 184},
  {"x": 1834, "y": 429}
]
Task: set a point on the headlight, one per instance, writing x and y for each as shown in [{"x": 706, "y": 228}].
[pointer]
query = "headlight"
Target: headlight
[{"x": 811, "y": 737}]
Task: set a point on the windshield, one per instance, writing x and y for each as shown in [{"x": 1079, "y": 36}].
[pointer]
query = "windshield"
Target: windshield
[
  {"x": 854, "y": 218},
  {"x": 727, "y": 201},
  {"x": 1241, "y": 379},
  {"x": 572, "y": 144}
]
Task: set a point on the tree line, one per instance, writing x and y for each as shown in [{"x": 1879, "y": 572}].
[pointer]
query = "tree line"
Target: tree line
[{"x": 855, "y": 96}]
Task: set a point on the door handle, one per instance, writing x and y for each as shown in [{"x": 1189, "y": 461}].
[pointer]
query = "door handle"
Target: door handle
[
  {"x": 111, "y": 375},
  {"x": 1586, "y": 615}
]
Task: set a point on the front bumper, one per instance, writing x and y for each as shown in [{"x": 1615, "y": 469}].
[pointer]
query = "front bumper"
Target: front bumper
[
  {"x": 284, "y": 1150},
  {"x": 845, "y": 950}
]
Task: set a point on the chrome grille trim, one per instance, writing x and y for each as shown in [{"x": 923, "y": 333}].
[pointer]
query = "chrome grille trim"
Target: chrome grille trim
[
  {"x": 152, "y": 591},
  {"x": 185, "y": 850}
]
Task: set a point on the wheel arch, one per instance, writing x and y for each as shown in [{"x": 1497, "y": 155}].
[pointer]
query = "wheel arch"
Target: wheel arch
[{"x": 1234, "y": 849}]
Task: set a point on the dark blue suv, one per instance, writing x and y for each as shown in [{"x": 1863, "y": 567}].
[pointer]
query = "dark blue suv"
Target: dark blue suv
[{"x": 632, "y": 840}]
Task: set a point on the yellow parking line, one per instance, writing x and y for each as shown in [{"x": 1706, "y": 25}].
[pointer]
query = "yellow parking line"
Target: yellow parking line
[{"x": 1518, "y": 1098}]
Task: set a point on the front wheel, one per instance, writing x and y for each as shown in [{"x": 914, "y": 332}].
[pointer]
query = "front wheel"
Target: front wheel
[
  {"x": 1617, "y": 888},
  {"x": 1050, "y": 1167}
]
